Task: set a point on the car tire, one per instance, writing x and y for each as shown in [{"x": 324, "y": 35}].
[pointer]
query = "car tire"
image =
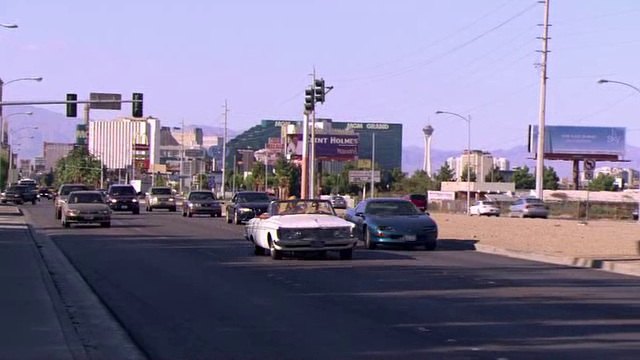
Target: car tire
[
  {"x": 228, "y": 217},
  {"x": 105, "y": 224},
  {"x": 33, "y": 202},
  {"x": 236, "y": 219},
  {"x": 346, "y": 254},
  {"x": 275, "y": 254},
  {"x": 173, "y": 209},
  {"x": 184, "y": 213},
  {"x": 258, "y": 250},
  {"x": 149, "y": 209},
  {"x": 65, "y": 224},
  {"x": 136, "y": 212},
  {"x": 430, "y": 246},
  {"x": 189, "y": 214},
  {"x": 368, "y": 241},
  {"x": 58, "y": 214},
  {"x": 213, "y": 215}
]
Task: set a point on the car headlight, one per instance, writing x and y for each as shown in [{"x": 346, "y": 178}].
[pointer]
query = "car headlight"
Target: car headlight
[
  {"x": 105, "y": 212},
  {"x": 290, "y": 234},
  {"x": 172, "y": 199},
  {"x": 245, "y": 210},
  {"x": 134, "y": 200},
  {"x": 154, "y": 199},
  {"x": 113, "y": 200},
  {"x": 342, "y": 233},
  {"x": 72, "y": 212}
]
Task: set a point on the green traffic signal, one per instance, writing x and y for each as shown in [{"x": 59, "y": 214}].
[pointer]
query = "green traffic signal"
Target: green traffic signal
[
  {"x": 309, "y": 103},
  {"x": 72, "y": 107},
  {"x": 136, "y": 107},
  {"x": 319, "y": 90}
]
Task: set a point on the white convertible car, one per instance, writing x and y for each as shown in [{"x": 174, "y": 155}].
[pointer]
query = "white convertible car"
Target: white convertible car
[{"x": 301, "y": 226}]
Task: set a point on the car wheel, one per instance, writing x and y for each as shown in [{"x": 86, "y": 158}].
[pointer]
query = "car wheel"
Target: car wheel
[
  {"x": 275, "y": 254},
  {"x": 213, "y": 214},
  {"x": 136, "y": 212},
  {"x": 228, "y": 217},
  {"x": 430, "y": 246},
  {"x": 58, "y": 214},
  {"x": 173, "y": 209},
  {"x": 33, "y": 202},
  {"x": 106, "y": 224},
  {"x": 65, "y": 223},
  {"x": 346, "y": 254},
  {"x": 368, "y": 241},
  {"x": 258, "y": 251},
  {"x": 189, "y": 214},
  {"x": 236, "y": 219},
  {"x": 184, "y": 213},
  {"x": 149, "y": 209}
]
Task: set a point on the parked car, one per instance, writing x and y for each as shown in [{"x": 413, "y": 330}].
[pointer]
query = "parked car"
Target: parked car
[
  {"x": 484, "y": 207},
  {"x": 529, "y": 207},
  {"x": 61, "y": 197},
  {"x": 123, "y": 197},
  {"x": 160, "y": 197},
  {"x": 85, "y": 207},
  {"x": 338, "y": 202},
  {"x": 201, "y": 202},
  {"x": 245, "y": 205},
  {"x": 392, "y": 221},
  {"x": 419, "y": 200},
  {"x": 300, "y": 226}
]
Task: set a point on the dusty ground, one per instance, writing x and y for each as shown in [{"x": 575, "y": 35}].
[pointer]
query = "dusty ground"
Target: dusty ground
[{"x": 548, "y": 236}]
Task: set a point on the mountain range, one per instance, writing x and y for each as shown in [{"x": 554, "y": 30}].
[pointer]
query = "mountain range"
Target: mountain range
[{"x": 55, "y": 127}]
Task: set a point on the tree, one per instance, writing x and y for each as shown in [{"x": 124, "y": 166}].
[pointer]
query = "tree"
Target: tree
[
  {"x": 495, "y": 175},
  {"x": 523, "y": 179},
  {"x": 287, "y": 178},
  {"x": 550, "y": 179},
  {"x": 445, "y": 173},
  {"x": 468, "y": 172},
  {"x": 79, "y": 167},
  {"x": 603, "y": 182}
]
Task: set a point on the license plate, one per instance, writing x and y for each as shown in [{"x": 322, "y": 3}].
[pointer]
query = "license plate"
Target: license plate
[
  {"x": 410, "y": 238},
  {"x": 88, "y": 217},
  {"x": 317, "y": 243},
  {"x": 123, "y": 206}
]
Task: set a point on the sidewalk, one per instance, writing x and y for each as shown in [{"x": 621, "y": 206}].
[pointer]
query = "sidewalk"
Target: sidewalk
[{"x": 29, "y": 305}]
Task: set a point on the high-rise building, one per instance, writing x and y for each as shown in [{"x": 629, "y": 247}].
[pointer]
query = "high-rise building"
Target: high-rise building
[
  {"x": 426, "y": 166},
  {"x": 54, "y": 152}
]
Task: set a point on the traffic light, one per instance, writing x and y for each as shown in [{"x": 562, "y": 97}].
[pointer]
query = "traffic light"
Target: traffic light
[
  {"x": 136, "y": 107},
  {"x": 319, "y": 91},
  {"x": 309, "y": 103},
  {"x": 72, "y": 108}
]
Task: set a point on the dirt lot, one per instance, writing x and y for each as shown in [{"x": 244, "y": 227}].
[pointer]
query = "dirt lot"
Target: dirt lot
[{"x": 549, "y": 236}]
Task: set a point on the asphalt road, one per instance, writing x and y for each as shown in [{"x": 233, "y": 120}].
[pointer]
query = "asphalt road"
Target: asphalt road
[{"x": 191, "y": 288}]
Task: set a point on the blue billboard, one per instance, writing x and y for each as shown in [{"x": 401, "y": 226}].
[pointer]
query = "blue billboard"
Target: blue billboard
[{"x": 572, "y": 142}]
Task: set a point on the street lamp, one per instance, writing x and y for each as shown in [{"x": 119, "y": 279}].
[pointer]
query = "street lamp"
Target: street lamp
[
  {"x": 2, "y": 85},
  {"x": 468, "y": 121},
  {"x": 10, "y": 173},
  {"x": 605, "y": 81}
]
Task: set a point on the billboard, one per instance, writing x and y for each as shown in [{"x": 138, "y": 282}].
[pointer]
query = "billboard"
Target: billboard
[
  {"x": 579, "y": 142},
  {"x": 328, "y": 147}
]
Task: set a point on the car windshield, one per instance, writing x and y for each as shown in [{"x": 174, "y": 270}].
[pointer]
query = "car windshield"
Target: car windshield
[
  {"x": 297, "y": 207},
  {"x": 201, "y": 196},
  {"x": 18, "y": 188},
  {"x": 67, "y": 189},
  {"x": 123, "y": 190},
  {"x": 533, "y": 201},
  {"x": 254, "y": 197},
  {"x": 161, "y": 191},
  {"x": 388, "y": 208},
  {"x": 418, "y": 197},
  {"x": 86, "y": 198},
  {"x": 488, "y": 203}
]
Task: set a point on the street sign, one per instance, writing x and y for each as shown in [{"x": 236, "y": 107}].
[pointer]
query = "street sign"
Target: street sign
[
  {"x": 588, "y": 174},
  {"x": 115, "y": 105},
  {"x": 361, "y": 176},
  {"x": 589, "y": 164}
]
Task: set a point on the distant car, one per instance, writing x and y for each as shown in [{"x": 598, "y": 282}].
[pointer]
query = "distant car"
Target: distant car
[
  {"x": 392, "y": 221},
  {"x": 13, "y": 194},
  {"x": 123, "y": 197},
  {"x": 484, "y": 207},
  {"x": 63, "y": 193},
  {"x": 160, "y": 197},
  {"x": 246, "y": 205},
  {"x": 300, "y": 226},
  {"x": 338, "y": 202},
  {"x": 85, "y": 207},
  {"x": 45, "y": 193},
  {"x": 529, "y": 207},
  {"x": 201, "y": 202},
  {"x": 419, "y": 200}
]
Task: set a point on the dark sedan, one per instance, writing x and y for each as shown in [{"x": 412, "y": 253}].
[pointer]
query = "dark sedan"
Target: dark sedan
[
  {"x": 19, "y": 194},
  {"x": 201, "y": 203},
  {"x": 393, "y": 221}
]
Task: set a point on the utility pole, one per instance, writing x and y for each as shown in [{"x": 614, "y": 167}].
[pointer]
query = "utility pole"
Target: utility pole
[
  {"x": 224, "y": 150},
  {"x": 182, "y": 157},
  {"x": 543, "y": 96},
  {"x": 312, "y": 161}
]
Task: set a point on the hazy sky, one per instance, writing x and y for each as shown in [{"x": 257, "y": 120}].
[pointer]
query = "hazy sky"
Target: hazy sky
[{"x": 389, "y": 61}]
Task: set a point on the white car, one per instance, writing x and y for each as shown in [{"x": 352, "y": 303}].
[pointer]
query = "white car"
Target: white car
[
  {"x": 483, "y": 207},
  {"x": 301, "y": 226}
]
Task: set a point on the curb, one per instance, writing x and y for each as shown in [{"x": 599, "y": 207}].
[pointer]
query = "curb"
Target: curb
[
  {"x": 87, "y": 321},
  {"x": 619, "y": 266}
]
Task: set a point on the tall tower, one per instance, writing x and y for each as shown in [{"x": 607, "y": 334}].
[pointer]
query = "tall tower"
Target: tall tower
[{"x": 426, "y": 166}]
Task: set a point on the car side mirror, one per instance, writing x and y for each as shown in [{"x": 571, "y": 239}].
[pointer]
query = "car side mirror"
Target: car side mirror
[
  {"x": 360, "y": 214},
  {"x": 264, "y": 216}
]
